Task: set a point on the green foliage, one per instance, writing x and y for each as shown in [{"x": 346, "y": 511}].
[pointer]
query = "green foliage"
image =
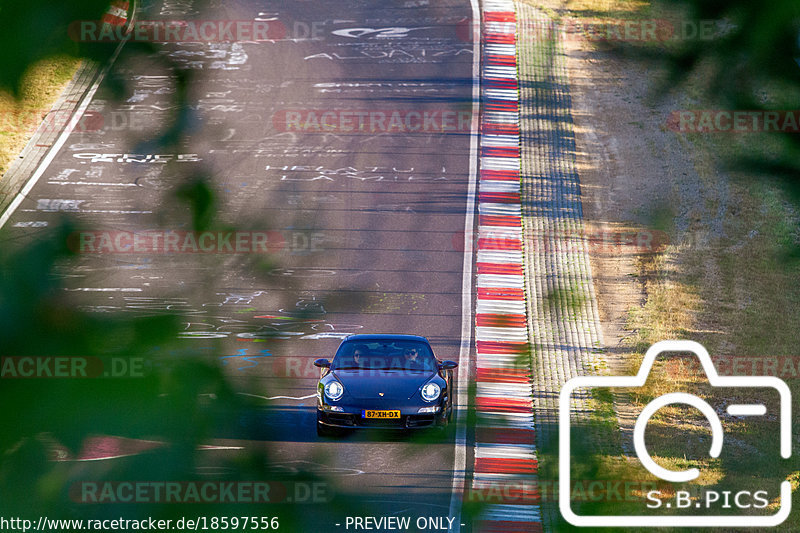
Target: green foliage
[
  {"x": 180, "y": 400},
  {"x": 753, "y": 64},
  {"x": 32, "y": 30}
]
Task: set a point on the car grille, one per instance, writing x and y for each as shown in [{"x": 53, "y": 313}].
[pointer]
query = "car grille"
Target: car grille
[
  {"x": 418, "y": 421},
  {"x": 406, "y": 421},
  {"x": 341, "y": 419},
  {"x": 381, "y": 422}
]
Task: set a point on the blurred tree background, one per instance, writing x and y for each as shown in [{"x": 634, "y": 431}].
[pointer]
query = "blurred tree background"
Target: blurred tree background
[
  {"x": 752, "y": 63},
  {"x": 175, "y": 407},
  {"x": 33, "y": 30}
]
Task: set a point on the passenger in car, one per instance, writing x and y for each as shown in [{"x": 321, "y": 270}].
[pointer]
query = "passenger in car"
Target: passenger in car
[{"x": 411, "y": 356}]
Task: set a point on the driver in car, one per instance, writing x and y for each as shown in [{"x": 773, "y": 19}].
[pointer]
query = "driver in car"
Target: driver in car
[
  {"x": 360, "y": 352},
  {"x": 411, "y": 356}
]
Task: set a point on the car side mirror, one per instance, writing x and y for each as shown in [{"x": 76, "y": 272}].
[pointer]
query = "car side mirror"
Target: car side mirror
[
  {"x": 448, "y": 365},
  {"x": 322, "y": 363}
]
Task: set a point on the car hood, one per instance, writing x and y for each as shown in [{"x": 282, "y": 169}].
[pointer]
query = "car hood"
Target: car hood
[{"x": 394, "y": 384}]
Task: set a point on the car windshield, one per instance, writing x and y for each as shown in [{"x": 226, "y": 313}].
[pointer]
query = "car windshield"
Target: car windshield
[{"x": 413, "y": 356}]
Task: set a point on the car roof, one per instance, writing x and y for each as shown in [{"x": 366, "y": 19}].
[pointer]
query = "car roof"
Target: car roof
[{"x": 385, "y": 337}]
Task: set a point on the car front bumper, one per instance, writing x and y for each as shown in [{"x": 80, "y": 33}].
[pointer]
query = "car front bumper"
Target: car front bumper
[{"x": 355, "y": 420}]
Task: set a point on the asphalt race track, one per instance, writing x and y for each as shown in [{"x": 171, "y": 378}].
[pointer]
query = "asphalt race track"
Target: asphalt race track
[{"x": 365, "y": 224}]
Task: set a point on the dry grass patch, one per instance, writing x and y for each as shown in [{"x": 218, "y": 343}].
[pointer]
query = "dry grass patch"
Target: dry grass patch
[{"x": 19, "y": 117}]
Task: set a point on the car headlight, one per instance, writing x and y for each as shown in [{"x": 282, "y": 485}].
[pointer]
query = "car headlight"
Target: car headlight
[
  {"x": 431, "y": 391},
  {"x": 334, "y": 390}
]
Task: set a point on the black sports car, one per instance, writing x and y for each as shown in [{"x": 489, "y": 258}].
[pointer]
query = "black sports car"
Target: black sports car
[{"x": 384, "y": 381}]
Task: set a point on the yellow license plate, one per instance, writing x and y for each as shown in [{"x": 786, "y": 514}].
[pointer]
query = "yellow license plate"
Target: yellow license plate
[{"x": 381, "y": 414}]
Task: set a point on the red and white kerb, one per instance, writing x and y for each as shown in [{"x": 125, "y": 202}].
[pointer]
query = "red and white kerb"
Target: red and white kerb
[
  {"x": 116, "y": 14},
  {"x": 505, "y": 469}
]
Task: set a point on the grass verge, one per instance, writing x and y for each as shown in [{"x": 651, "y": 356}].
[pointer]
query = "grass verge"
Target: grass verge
[
  {"x": 728, "y": 283},
  {"x": 20, "y": 117}
]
